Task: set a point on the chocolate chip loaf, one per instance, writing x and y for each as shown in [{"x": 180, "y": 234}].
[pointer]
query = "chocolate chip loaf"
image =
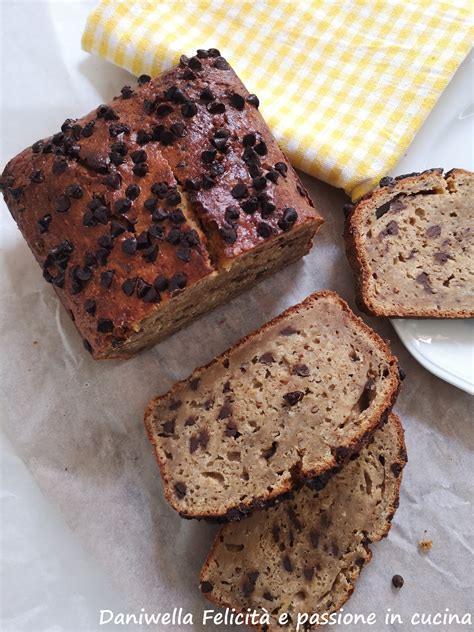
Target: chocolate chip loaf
[
  {"x": 411, "y": 246},
  {"x": 155, "y": 208},
  {"x": 300, "y": 560},
  {"x": 287, "y": 405}
]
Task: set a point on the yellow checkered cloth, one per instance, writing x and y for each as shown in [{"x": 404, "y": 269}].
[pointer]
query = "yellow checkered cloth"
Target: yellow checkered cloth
[{"x": 343, "y": 84}]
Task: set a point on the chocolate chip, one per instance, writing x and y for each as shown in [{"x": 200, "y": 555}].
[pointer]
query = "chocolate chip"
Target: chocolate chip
[
  {"x": 113, "y": 180},
  {"x": 142, "y": 288},
  {"x": 122, "y": 205},
  {"x": 173, "y": 198},
  {"x": 249, "y": 140},
  {"x": 97, "y": 163},
  {"x": 132, "y": 191},
  {"x": 180, "y": 491},
  {"x": 59, "y": 166},
  {"x": 120, "y": 147},
  {"x": 139, "y": 155},
  {"x": 58, "y": 138},
  {"x": 87, "y": 345},
  {"x": 215, "y": 107},
  {"x": 213, "y": 52},
  {"x": 301, "y": 370},
  {"x": 220, "y": 143},
  {"x": 231, "y": 214},
  {"x": 140, "y": 169},
  {"x": 272, "y": 176},
  {"x": 433, "y": 231},
  {"x": 177, "y": 282},
  {"x": 160, "y": 283},
  {"x": 143, "y": 137},
  {"x": 128, "y": 286},
  {"x": 239, "y": 191},
  {"x": 259, "y": 183},
  {"x": 151, "y": 296},
  {"x": 250, "y": 581},
  {"x": 88, "y": 129},
  {"x": 391, "y": 229},
  {"x": 129, "y": 246},
  {"x": 231, "y": 430},
  {"x": 206, "y": 95},
  {"x": 163, "y": 110},
  {"x": 178, "y": 129},
  {"x": 441, "y": 257},
  {"x": 202, "y": 54},
  {"x": 184, "y": 254},
  {"x": 228, "y": 234},
  {"x": 143, "y": 79},
  {"x": 264, "y": 230},
  {"x": 188, "y": 74},
  {"x": 194, "y": 63},
  {"x": 253, "y": 99},
  {"x": 221, "y": 64},
  {"x": 118, "y": 128},
  {"x": 206, "y": 587},
  {"x": 387, "y": 181},
  {"x": 127, "y": 92},
  {"x": 217, "y": 168},
  {"x": 105, "y": 326},
  {"x": 200, "y": 440},
  {"x": 293, "y": 397},
  {"x": 90, "y": 306},
  {"x": 37, "y": 176},
  {"x": 37, "y": 147},
  {"x": 288, "y": 219},
  {"x": 192, "y": 184},
  {"x": 396, "y": 469},
  {"x": 169, "y": 427},
  {"x": 397, "y": 581},
  {"x": 63, "y": 204},
  {"x": 425, "y": 281},
  {"x": 75, "y": 191},
  {"x": 287, "y": 565},
  {"x": 160, "y": 189},
  {"x": 156, "y": 231},
  {"x": 177, "y": 217},
  {"x": 269, "y": 452},
  {"x": 189, "y": 109},
  {"x": 106, "y": 279},
  {"x": 261, "y": 148},
  {"x": 250, "y": 206},
  {"x": 237, "y": 101},
  {"x": 44, "y": 223}
]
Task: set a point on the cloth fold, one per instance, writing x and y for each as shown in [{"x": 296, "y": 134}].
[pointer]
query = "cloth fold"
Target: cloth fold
[{"x": 343, "y": 85}]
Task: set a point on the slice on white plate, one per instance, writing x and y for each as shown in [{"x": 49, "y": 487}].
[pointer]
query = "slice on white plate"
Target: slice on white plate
[{"x": 444, "y": 347}]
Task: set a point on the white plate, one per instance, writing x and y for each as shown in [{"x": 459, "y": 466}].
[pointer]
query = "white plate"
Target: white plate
[{"x": 444, "y": 347}]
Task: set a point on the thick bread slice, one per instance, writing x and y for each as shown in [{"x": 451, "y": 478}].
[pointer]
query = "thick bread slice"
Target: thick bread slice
[
  {"x": 287, "y": 405},
  {"x": 305, "y": 555},
  {"x": 411, "y": 246}
]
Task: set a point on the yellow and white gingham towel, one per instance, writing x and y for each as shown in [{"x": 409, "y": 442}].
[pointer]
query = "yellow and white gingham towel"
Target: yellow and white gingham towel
[{"x": 343, "y": 84}]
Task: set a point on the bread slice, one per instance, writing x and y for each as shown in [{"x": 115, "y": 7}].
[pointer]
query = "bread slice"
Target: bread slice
[
  {"x": 304, "y": 556},
  {"x": 411, "y": 245},
  {"x": 287, "y": 405}
]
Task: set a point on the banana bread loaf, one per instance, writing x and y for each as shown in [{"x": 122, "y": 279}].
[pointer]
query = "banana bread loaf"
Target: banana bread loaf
[
  {"x": 287, "y": 405},
  {"x": 411, "y": 245},
  {"x": 301, "y": 559},
  {"x": 153, "y": 209}
]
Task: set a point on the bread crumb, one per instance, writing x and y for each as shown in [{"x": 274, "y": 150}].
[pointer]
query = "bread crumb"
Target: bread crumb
[
  {"x": 35, "y": 342},
  {"x": 425, "y": 545}
]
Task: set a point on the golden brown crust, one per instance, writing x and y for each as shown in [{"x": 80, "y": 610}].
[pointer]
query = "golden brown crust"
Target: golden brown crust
[
  {"x": 315, "y": 478},
  {"x": 389, "y": 188},
  {"x": 399, "y": 464},
  {"x": 70, "y": 192}
]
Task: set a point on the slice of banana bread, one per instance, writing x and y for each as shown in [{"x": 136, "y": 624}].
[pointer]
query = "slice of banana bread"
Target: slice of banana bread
[
  {"x": 304, "y": 556},
  {"x": 287, "y": 405},
  {"x": 411, "y": 245}
]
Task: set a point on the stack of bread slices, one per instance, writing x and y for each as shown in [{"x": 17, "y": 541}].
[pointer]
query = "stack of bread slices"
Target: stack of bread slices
[{"x": 289, "y": 440}]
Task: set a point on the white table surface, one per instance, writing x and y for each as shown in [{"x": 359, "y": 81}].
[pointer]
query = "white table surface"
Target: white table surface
[{"x": 58, "y": 564}]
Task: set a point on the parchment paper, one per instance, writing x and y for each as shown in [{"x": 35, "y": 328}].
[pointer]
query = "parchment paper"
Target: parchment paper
[{"x": 77, "y": 424}]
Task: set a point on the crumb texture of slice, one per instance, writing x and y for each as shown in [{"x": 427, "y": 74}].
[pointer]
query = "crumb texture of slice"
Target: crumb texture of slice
[
  {"x": 305, "y": 555},
  {"x": 287, "y": 405},
  {"x": 411, "y": 246}
]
